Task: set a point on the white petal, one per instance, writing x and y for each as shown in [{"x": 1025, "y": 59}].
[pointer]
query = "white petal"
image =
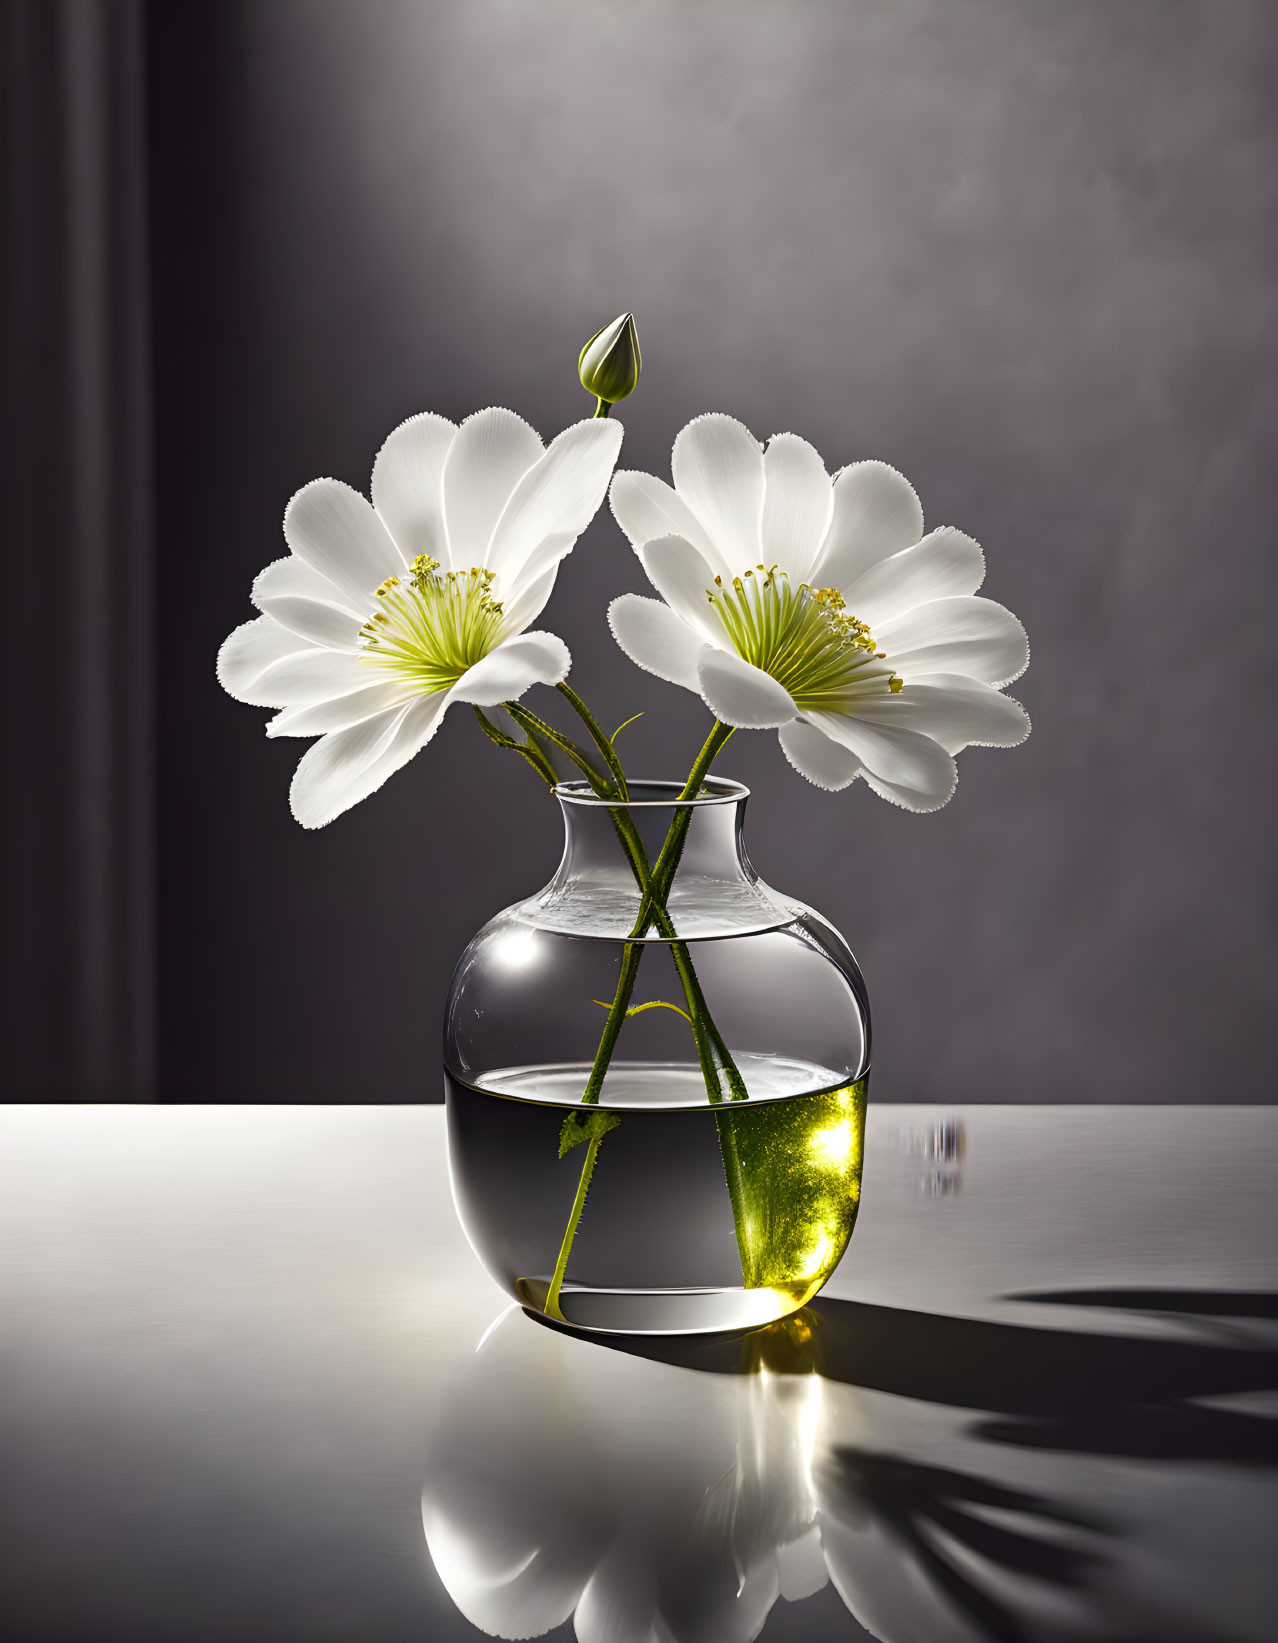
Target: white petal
[
  {"x": 558, "y": 496},
  {"x": 508, "y": 671},
  {"x": 962, "y": 635},
  {"x": 250, "y": 652},
  {"x": 944, "y": 565},
  {"x": 953, "y": 710},
  {"x": 318, "y": 718},
  {"x": 876, "y": 513},
  {"x": 347, "y": 765},
  {"x": 825, "y": 763},
  {"x": 919, "y": 771},
  {"x": 796, "y": 506},
  {"x": 523, "y": 596},
  {"x": 909, "y": 798},
  {"x": 718, "y": 470},
  {"x": 654, "y": 638},
  {"x": 967, "y": 713},
  {"x": 336, "y": 531},
  {"x": 741, "y": 694},
  {"x": 307, "y": 604},
  {"x": 323, "y": 625},
  {"x": 313, "y": 675},
  {"x": 646, "y": 508},
  {"x": 292, "y": 578},
  {"x": 408, "y": 485},
  {"x": 528, "y": 604},
  {"x": 489, "y": 454},
  {"x": 682, "y": 578}
]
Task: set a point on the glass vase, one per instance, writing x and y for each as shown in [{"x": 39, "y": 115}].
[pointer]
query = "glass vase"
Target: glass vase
[{"x": 655, "y": 1074}]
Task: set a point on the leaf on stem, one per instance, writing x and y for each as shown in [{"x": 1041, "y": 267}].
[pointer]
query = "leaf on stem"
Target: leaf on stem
[
  {"x": 652, "y": 1004},
  {"x": 591, "y": 1128},
  {"x": 622, "y": 726}
]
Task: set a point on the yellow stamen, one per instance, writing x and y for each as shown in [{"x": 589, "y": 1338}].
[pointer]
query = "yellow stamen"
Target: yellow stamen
[
  {"x": 805, "y": 637},
  {"x": 433, "y": 626}
]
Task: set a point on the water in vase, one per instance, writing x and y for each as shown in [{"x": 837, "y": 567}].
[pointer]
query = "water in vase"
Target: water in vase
[{"x": 695, "y": 1217}]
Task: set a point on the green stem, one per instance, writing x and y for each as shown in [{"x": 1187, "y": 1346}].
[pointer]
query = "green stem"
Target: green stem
[
  {"x": 720, "y": 1055},
  {"x": 602, "y": 742},
  {"x": 603, "y": 407},
  {"x": 662, "y": 874},
  {"x": 536, "y": 758},
  {"x": 552, "y": 1308},
  {"x": 633, "y": 846},
  {"x": 654, "y": 884},
  {"x": 531, "y": 724},
  {"x": 719, "y": 735},
  {"x": 631, "y": 954},
  {"x": 652, "y": 909},
  {"x": 712, "y": 1051},
  {"x": 667, "y": 862},
  {"x": 734, "y": 1175}
]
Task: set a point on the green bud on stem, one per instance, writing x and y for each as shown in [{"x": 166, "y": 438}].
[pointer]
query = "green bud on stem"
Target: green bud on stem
[{"x": 610, "y": 362}]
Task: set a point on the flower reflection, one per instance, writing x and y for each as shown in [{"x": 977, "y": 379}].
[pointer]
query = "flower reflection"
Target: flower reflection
[
  {"x": 645, "y": 1501},
  {"x": 651, "y": 1503}
]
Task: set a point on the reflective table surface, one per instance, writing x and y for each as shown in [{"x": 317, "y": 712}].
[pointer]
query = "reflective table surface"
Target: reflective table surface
[{"x": 254, "y": 1385}]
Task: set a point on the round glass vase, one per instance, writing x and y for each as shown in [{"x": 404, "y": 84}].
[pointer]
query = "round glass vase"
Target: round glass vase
[{"x": 655, "y": 1074}]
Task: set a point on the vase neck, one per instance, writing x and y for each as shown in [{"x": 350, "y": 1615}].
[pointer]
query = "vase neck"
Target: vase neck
[
  {"x": 713, "y": 846},
  {"x": 713, "y": 890}
]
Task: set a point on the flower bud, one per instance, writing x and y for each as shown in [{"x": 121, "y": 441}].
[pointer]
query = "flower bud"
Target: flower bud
[{"x": 610, "y": 362}]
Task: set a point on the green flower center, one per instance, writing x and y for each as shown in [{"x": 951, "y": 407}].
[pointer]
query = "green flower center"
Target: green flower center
[
  {"x": 430, "y": 626},
  {"x": 804, "y": 637}
]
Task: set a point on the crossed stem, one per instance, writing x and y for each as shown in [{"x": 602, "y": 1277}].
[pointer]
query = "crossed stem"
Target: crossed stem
[{"x": 654, "y": 881}]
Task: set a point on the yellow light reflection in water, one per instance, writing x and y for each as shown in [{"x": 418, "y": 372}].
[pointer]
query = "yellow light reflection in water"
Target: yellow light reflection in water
[
  {"x": 814, "y": 1259},
  {"x": 800, "y": 1169},
  {"x": 833, "y": 1144}
]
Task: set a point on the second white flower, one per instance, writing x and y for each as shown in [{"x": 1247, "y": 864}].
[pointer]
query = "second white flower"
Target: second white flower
[{"x": 817, "y": 607}]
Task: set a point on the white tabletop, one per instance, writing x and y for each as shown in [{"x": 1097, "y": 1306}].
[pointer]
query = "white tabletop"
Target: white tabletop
[{"x": 240, "y": 1345}]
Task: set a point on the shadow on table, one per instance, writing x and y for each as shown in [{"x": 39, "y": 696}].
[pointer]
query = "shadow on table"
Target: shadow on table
[
  {"x": 1115, "y": 1395},
  {"x": 918, "y": 1508}
]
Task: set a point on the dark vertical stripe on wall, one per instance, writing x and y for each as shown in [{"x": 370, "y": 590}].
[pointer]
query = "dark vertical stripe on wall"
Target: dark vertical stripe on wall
[{"x": 77, "y": 851}]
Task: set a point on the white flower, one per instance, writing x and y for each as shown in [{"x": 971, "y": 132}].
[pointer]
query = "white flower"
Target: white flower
[
  {"x": 385, "y": 614},
  {"x": 819, "y": 608}
]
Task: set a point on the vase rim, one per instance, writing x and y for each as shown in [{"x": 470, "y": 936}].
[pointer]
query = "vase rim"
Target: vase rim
[{"x": 652, "y": 795}]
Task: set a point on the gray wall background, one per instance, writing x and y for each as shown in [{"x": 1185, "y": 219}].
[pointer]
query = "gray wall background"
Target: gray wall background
[{"x": 1023, "y": 251}]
